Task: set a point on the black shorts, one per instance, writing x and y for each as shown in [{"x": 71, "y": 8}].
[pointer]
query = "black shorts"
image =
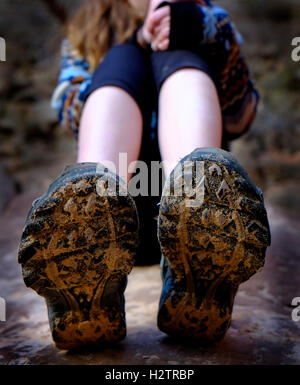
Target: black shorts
[{"x": 142, "y": 74}]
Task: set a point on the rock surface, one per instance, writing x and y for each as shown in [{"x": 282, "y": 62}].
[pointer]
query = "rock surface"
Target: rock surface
[{"x": 7, "y": 189}]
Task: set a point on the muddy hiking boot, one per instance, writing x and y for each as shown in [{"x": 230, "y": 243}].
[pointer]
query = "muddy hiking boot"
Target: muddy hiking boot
[
  {"x": 213, "y": 237},
  {"x": 78, "y": 246}
]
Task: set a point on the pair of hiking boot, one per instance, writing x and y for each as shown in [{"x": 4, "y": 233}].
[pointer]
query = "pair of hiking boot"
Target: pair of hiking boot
[{"x": 81, "y": 239}]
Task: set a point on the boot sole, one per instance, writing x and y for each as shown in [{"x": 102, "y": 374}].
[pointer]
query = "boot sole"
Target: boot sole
[
  {"x": 211, "y": 247},
  {"x": 76, "y": 251}
]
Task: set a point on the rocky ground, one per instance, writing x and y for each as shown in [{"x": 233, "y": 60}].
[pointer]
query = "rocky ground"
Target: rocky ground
[{"x": 34, "y": 149}]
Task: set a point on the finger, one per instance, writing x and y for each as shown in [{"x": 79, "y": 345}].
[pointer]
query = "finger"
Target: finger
[
  {"x": 158, "y": 40},
  {"x": 166, "y": 22},
  {"x": 163, "y": 35},
  {"x": 157, "y": 17},
  {"x": 164, "y": 45}
]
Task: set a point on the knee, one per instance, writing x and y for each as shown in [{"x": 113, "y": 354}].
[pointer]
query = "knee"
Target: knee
[
  {"x": 180, "y": 66},
  {"x": 188, "y": 80},
  {"x": 189, "y": 74},
  {"x": 126, "y": 68}
]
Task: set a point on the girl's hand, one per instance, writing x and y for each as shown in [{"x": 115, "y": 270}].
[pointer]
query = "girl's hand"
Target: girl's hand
[
  {"x": 156, "y": 29},
  {"x": 157, "y": 25}
]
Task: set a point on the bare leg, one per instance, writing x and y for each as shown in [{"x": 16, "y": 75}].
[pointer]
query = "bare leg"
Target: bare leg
[
  {"x": 111, "y": 124},
  {"x": 189, "y": 115}
]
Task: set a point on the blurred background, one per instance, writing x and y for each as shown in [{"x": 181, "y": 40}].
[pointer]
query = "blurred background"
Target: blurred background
[{"x": 34, "y": 148}]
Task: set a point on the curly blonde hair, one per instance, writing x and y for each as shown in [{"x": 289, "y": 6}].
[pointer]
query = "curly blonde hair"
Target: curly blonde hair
[{"x": 98, "y": 24}]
